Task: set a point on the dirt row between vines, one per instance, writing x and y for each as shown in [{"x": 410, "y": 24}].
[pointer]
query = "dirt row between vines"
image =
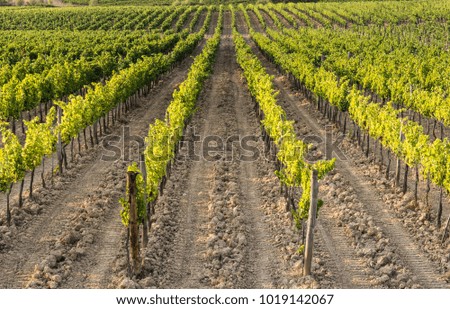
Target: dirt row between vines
[
  {"x": 419, "y": 220},
  {"x": 360, "y": 221},
  {"x": 348, "y": 269},
  {"x": 70, "y": 233},
  {"x": 221, "y": 222}
]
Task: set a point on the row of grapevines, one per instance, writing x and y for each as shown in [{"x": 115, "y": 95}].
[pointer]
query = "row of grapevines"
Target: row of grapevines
[
  {"x": 258, "y": 14},
  {"x": 169, "y": 19},
  {"x": 333, "y": 17},
  {"x": 16, "y": 159},
  {"x": 183, "y": 17},
  {"x": 410, "y": 76},
  {"x": 404, "y": 138},
  {"x": 282, "y": 10},
  {"x": 380, "y": 13},
  {"x": 304, "y": 19},
  {"x": 82, "y": 111},
  {"x": 135, "y": 21},
  {"x": 269, "y": 10},
  {"x": 415, "y": 80},
  {"x": 90, "y": 18},
  {"x": 59, "y": 79},
  {"x": 295, "y": 170},
  {"x": 314, "y": 15},
  {"x": 164, "y": 135},
  {"x": 32, "y": 52},
  {"x": 195, "y": 18}
]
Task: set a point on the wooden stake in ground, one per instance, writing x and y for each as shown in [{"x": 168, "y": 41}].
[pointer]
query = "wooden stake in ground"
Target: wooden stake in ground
[
  {"x": 145, "y": 224},
  {"x": 397, "y": 170},
  {"x": 59, "y": 148},
  {"x": 133, "y": 223},
  {"x": 311, "y": 223},
  {"x": 329, "y": 142},
  {"x": 444, "y": 236}
]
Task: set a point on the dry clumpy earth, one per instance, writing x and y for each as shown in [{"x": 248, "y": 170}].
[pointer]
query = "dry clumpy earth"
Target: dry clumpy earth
[{"x": 221, "y": 222}]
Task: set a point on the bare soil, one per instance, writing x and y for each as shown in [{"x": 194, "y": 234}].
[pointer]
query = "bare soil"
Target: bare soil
[
  {"x": 221, "y": 221},
  {"x": 359, "y": 208},
  {"x": 69, "y": 234}
]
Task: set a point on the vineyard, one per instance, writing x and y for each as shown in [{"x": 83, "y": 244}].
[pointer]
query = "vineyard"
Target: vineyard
[{"x": 198, "y": 144}]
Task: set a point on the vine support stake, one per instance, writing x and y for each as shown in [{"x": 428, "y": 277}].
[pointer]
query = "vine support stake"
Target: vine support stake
[
  {"x": 311, "y": 223},
  {"x": 133, "y": 223},
  {"x": 329, "y": 142},
  {"x": 59, "y": 144},
  {"x": 145, "y": 225},
  {"x": 398, "y": 167},
  {"x": 445, "y": 234}
]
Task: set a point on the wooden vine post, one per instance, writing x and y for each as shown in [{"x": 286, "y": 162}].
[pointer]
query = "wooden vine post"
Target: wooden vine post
[
  {"x": 59, "y": 148},
  {"x": 311, "y": 223},
  {"x": 328, "y": 143},
  {"x": 398, "y": 167},
  {"x": 133, "y": 223},
  {"x": 445, "y": 234},
  {"x": 145, "y": 224}
]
